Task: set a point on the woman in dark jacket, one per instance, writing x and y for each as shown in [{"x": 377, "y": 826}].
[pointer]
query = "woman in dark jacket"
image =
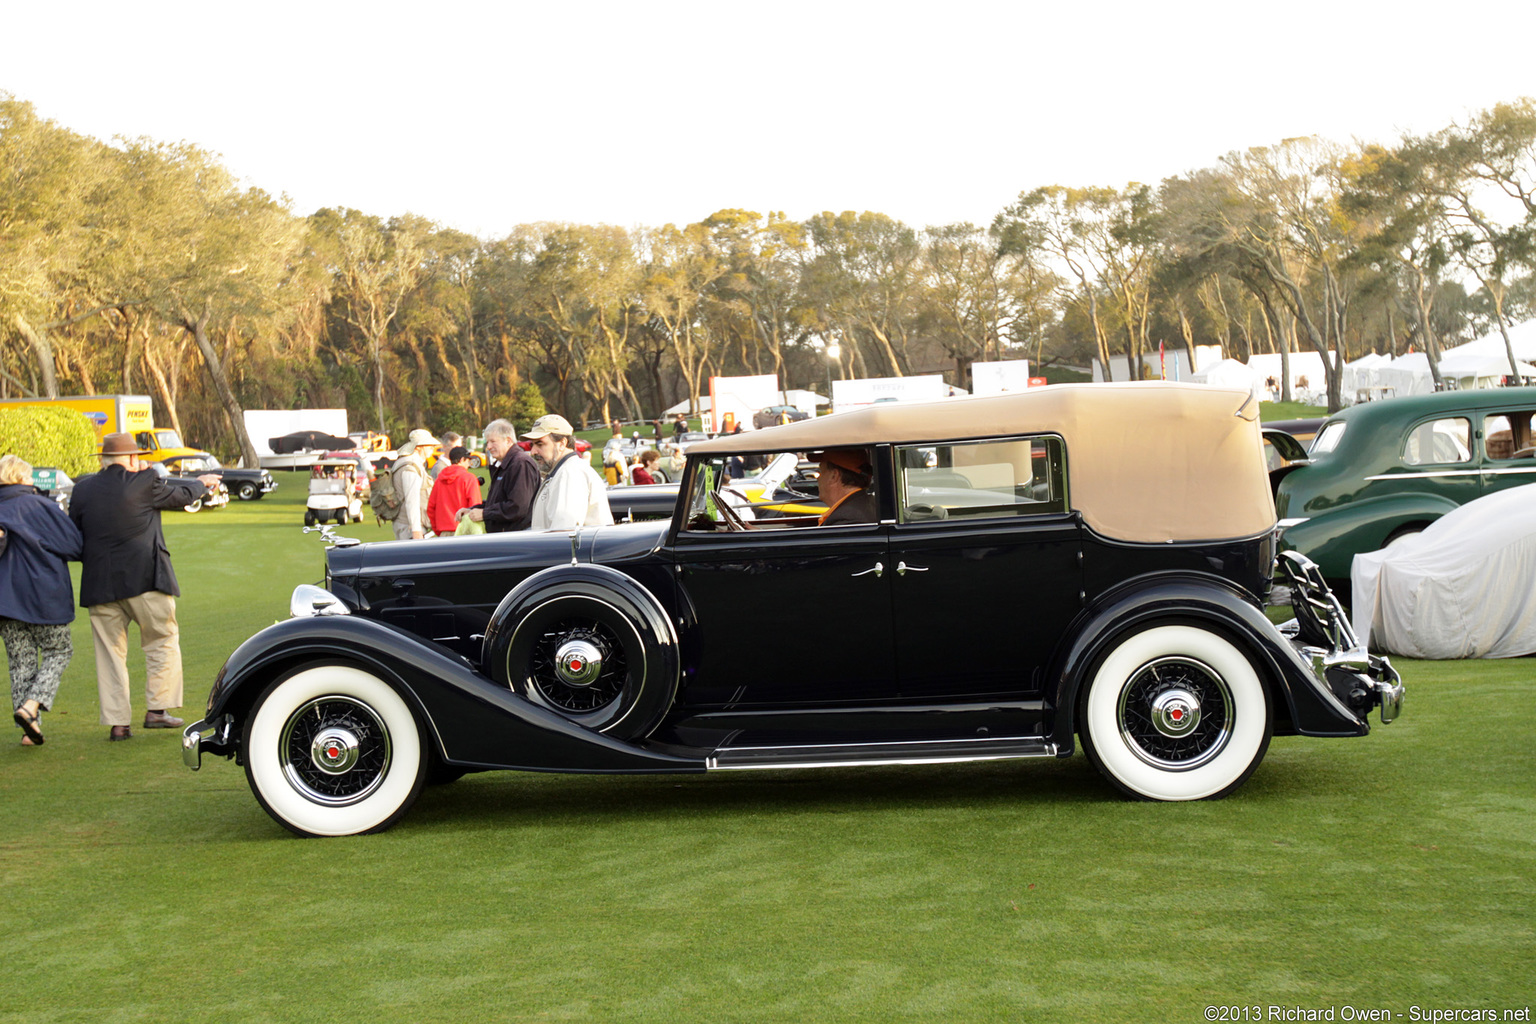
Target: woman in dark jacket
[{"x": 37, "y": 603}]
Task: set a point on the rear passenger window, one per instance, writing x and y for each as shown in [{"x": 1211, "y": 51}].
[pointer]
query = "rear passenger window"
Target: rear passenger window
[
  {"x": 1439, "y": 441},
  {"x": 1509, "y": 435},
  {"x": 982, "y": 479}
]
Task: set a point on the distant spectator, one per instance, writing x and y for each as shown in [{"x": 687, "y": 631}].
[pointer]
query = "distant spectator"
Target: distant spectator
[
  {"x": 413, "y": 484},
  {"x": 613, "y": 456},
  {"x": 446, "y": 443},
  {"x": 648, "y": 458},
  {"x": 456, "y": 489}
]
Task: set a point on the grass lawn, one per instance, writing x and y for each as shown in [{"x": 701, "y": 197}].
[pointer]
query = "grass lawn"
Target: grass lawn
[{"x": 1393, "y": 871}]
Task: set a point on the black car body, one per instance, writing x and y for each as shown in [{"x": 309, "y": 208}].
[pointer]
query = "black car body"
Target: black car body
[
  {"x": 1081, "y": 561},
  {"x": 245, "y": 484}
]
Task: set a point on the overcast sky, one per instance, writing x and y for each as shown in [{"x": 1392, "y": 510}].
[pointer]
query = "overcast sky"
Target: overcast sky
[{"x": 481, "y": 116}]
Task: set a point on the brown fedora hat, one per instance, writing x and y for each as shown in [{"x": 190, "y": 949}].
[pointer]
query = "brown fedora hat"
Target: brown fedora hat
[{"x": 120, "y": 444}]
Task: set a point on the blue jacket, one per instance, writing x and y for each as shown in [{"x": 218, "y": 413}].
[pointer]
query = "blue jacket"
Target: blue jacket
[{"x": 34, "y": 576}]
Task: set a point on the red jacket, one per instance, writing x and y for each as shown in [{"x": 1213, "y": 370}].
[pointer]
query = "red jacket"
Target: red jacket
[{"x": 456, "y": 488}]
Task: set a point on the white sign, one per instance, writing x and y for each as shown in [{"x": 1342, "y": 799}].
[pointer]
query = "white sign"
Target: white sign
[
  {"x": 999, "y": 377},
  {"x": 733, "y": 400},
  {"x": 856, "y": 394}
]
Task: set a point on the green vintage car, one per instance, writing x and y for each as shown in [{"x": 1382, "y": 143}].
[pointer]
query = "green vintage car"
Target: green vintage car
[{"x": 1382, "y": 470}]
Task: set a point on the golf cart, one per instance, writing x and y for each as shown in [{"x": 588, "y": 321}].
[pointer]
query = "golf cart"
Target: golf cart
[{"x": 335, "y": 492}]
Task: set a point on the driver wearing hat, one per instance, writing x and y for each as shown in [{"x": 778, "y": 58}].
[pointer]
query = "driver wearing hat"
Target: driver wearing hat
[{"x": 843, "y": 483}]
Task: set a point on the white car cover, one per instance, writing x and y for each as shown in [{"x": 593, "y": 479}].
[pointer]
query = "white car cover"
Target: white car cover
[{"x": 1464, "y": 588}]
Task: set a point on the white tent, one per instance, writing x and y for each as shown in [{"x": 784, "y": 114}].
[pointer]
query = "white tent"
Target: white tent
[
  {"x": 1406, "y": 375},
  {"x": 1229, "y": 373},
  {"x": 1480, "y": 369},
  {"x": 1522, "y": 338},
  {"x": 806, "y": 401},
  {"x": 1309, "y": 381}
]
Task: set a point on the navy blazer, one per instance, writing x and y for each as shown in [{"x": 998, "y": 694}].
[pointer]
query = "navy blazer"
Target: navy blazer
[
  {"x": 118, "y": 514},
  {"x": 34, "y": 574},
  {"x": 509, "y": 504}
]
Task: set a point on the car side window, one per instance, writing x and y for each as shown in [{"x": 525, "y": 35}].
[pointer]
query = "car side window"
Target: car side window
[
  {"x": 982, "y": 479},
  {"x": 1509, "y": 435},
  {"x": 1439, "y": 441}
]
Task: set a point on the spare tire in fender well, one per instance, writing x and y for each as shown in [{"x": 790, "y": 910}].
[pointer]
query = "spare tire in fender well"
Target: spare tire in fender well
[{"x": 587, "y": 642}]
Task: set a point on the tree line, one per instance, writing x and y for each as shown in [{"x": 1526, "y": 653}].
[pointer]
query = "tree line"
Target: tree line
[{"x": 146, "y": 267}]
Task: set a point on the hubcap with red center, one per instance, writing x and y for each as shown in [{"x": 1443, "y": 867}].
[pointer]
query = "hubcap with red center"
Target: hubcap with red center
[
  {"x": 334, "y": 750},
  {"x": 578, "y": 662},
  {"x": 1175, "y": 713}
]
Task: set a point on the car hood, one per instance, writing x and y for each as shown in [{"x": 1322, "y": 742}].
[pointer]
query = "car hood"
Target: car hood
[{"x": 492, "y": 551}]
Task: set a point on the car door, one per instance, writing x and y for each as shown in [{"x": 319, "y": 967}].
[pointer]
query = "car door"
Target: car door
[
  {"x": 785, "y": 616},
  {"x": 985, "y": 555},
  {"x": 1509, "y": 449}
]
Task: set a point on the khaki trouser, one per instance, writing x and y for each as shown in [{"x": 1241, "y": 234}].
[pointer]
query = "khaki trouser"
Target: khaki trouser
[{"x": 160, "y": 637}]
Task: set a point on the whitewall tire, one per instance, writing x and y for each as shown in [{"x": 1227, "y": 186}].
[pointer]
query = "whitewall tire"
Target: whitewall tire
[
  {"x": 1176, "y": 713},
  {"x": 333, "y": 751}
]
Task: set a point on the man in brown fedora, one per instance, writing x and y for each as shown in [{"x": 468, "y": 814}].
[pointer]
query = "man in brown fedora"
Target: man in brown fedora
[{"x": 126, "y": 576}]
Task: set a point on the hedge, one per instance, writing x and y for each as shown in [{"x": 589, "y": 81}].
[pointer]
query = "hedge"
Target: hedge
[{"x": 44, "y": 436}]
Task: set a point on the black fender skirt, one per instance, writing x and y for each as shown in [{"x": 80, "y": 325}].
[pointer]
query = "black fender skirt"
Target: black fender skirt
[
  {"x": 1306, "y": 706},
  {"x": 470, "y": 720}
]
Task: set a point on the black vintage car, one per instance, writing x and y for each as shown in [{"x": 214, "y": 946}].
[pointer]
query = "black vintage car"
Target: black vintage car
[
  {"x": 1077, "y": 562},
  {"x": 245, "y": 484}
]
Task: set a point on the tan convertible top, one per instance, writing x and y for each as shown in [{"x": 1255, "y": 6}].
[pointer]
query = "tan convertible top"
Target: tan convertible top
[{"x": 1150, "y": 462}]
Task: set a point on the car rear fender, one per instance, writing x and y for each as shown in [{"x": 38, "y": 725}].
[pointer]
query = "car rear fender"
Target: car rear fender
[
  {"x": 1333, "y": 537},
  {"x": 470, "y": 720},
  {"x": 1301, "y": 704}
]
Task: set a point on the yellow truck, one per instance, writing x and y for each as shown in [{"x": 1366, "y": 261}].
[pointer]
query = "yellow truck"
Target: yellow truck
[{"x": 113, "y": 414}]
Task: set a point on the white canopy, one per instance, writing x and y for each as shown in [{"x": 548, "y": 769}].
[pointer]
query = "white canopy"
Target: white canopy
[{"x": 1461, "y": 589}]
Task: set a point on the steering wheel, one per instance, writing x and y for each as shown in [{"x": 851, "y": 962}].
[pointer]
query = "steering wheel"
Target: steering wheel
[{"x": 728, "y": 514}]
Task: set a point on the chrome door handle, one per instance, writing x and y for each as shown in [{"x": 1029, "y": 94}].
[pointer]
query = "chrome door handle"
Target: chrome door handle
[
  {"x": 878, "y": 570},
  {"x": 902, "y": 568}
]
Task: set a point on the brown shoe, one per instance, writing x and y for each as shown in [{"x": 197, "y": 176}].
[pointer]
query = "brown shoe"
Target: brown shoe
[
  {"x": 30, "y": 724},
  {"x": 161, "y": 720},
  {"x": 120, "y": 732}
]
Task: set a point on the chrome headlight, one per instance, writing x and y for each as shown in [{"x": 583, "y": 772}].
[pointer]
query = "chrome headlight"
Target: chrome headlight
[{"x": 309, "y": 600}]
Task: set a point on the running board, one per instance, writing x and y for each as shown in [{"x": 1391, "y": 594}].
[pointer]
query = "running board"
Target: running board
[{"x": 833, "y": 755}]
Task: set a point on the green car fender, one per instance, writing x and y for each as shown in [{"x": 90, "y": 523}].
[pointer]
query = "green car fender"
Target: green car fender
[{"x": 1332, "y": 538}]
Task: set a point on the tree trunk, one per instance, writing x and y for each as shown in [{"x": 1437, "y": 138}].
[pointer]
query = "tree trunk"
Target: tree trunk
[
  {"x": 42, "y": 348},
  {"x": 197, "y": 327}
]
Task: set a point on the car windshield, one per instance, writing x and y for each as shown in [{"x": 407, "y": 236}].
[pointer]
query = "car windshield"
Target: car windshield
[{"x": 766, "y": 489}]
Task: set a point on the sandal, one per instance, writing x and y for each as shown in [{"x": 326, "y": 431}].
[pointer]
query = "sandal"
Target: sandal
[{"x": 30, "y": 724}]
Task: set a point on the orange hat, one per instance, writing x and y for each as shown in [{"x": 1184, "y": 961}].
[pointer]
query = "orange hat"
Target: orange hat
[{"x": 854, "y": 460}]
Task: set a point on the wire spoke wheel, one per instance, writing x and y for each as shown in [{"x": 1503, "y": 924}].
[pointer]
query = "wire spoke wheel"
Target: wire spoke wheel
[
  {"x": 335, "y": 750},
  {"x": 578, "y": 666},
  {"x": 1176, "y": 713}
]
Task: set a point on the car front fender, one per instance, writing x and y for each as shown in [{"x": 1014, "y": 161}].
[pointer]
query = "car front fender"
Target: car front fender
[
  {"x": 1304, "y": 705},
  {"x": 472, "y": 721}
]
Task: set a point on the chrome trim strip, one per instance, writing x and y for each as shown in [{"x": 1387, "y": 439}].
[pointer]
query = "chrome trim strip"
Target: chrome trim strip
[
  {"x": 1521, "y": 471},
  {"x": 1425, "y": 476},
  {"x": 712, "y": 764}
]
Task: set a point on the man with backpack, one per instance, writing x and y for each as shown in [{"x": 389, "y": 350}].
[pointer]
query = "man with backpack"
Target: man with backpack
[{"x": 400, "y": 495}]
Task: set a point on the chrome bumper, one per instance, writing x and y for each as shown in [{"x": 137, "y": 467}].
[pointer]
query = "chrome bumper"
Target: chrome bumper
[
  {"x": 215, "y": 735},
  {"x": 1322, "y": 633}
]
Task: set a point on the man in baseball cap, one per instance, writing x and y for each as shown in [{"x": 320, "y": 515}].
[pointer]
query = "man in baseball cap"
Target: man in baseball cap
[{"x": 572, "y": 494}]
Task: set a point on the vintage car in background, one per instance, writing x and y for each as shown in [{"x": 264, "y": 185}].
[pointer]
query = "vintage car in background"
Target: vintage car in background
[
  {"x": 1074, "y": 562},
  {"x": 1382, "y": 470},
  {"x": 774, "y": 415},
  {"x": 198, "y": 496},
  {"x": 245, "y": 484}
]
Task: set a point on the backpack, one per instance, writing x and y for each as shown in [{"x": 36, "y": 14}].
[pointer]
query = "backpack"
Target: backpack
[
  {"x": 384, "y": 497},
  {"x": 388, "y": 492}
]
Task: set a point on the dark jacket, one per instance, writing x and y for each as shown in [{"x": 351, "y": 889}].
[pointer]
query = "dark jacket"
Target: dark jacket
[
  {"x": 34, "y": 576},
  {"x": 509, "y": 505},
  {"x": 858, "y": 507},
  {"x": 118, "y": 514}
]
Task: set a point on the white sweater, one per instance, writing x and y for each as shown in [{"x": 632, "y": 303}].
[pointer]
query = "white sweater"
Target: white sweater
[{"x": 573, "y": 495}]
